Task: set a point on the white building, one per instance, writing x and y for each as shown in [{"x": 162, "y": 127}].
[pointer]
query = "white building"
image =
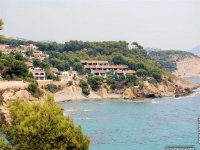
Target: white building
[
  {"x": 68, "y": 75},
  {"x": 38, "y": 73}
]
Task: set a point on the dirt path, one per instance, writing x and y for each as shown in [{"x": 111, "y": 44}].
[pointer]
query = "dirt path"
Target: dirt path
[{"x": 13, "y": 84}]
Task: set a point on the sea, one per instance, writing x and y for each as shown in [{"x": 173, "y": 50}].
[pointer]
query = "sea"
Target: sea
[{"x": 155, "y": 124}]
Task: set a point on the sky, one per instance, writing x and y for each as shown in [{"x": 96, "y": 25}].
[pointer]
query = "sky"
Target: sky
[{"x": 165, "y": 24}]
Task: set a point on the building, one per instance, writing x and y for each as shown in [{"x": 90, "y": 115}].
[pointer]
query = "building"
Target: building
[
  {"x": 38, "y": 73},
  {"x": 28, "y": 47},
  {"x": 39, "y": 55},
  {"x": 31, "y": 47},
  {"x": 125, "y": 72},
  {"x": 5, "y": 49},
  {"x": 68, "y": 75},
  {"x": 102, "y": 65},
  {"x": 100, "y": 68},
  {"x": 54, "y": 71},
  {"x": 131, "y": 46},
  {"x": 4, "y": 46},
  {"x": 129, "y": 72},
  {"x": 101, "y": 73},
  {"x": 94, "y": 62}
]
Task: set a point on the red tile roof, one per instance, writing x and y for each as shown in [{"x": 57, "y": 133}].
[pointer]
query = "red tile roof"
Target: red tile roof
[
  {"x": 107, "y": 66},
  {"x": 98, "y": 71},
  {"x": 94, "y": 61},
  {"x": 129, "y": 71}
]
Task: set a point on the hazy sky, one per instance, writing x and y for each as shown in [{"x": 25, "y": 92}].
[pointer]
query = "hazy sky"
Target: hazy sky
[{"x": 166, "y": 24}]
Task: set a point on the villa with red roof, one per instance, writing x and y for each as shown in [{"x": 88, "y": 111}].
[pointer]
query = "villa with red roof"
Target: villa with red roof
[{"x": 100, "y": 68}]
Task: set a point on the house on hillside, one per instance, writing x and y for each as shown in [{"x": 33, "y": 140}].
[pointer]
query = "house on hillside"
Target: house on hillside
[
  {"x": 102, "y": 65},
  {"x": 5, "y": 49},
  {"x": 4, "y": 46},
  {"x": 100, "y": 68},
  {"x": 28, "y": 47},
  {"x": 94, "y": 63},
  {"x": 124, "y": 72},
  {"x": 68, "y": 75},
  {"x": 101, "y": 73},
  {"x": 38, "y": 73},
  {"x": 39, "y": 55},
  {"x": 54, "y": 71},
  {"x": 31, "y": 47}
]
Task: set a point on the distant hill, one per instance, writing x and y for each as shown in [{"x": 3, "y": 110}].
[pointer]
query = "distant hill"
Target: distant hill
[
  {"x": 196, "y": 50},
  {"x": 168, "y": 58},
  {"x": 150, "y": 49}
]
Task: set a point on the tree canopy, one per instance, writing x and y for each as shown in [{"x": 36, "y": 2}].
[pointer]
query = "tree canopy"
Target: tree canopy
[
  {"x": 1, "y": 27},
  {"x": 36, "y": 125}
]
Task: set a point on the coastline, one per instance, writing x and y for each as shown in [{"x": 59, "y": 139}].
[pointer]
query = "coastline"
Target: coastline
[
  {"x": 137, "y": 99},
  {"x": 74, "y": 93}
]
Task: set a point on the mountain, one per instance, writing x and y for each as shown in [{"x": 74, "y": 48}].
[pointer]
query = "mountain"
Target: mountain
[
  {"x": 150, "y": 49},
  {"x": 196, "y": 50}
]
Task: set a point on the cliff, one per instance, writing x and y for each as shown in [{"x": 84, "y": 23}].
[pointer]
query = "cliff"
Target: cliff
[
  {"x": 149, "y": 90},
  {"x": 11, "y": 94}
]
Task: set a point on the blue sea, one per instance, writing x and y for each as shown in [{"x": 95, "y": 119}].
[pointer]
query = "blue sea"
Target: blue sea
[{"x": 127, "y": 125}]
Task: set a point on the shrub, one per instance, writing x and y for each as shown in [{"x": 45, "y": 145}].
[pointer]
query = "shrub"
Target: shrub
[
  {"x": 131, "y": 80},
  {"x": 95, "y": 82},
  {"x": 8, "y": 77},
  {"x": 152, "y": 81},
  {"x": 85, "y": 87},
  {"x": 170, "y": 80},
  {"x": 142, "y": 73},
  {"x": 34, "y": 90},
  {"x": 85, "y": 90},
  {"x": 41, "y": 126},
  {"x": 78, "y": 67},
  {"x": 157, "y": 76},
  {"x": 70, "y": 83},
  {"x": 113, "y": 86},
  {"x": 52, "y": 88}
]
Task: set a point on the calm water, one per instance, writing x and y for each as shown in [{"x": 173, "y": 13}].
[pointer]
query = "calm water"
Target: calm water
[{"x": 125, "y": 125}]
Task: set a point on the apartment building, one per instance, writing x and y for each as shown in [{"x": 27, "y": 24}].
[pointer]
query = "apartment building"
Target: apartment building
[
  {"x": 38, "y": 73},
  {"x": 68, "y": 75},
  {"x": 100, "y": 68}
]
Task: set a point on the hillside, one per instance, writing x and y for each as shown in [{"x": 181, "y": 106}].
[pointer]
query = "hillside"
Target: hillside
[
  {"x": 146, "y": 77},
  {"x": 188, "y": 67},
  {"x": 196, "y": 50},
  {"x": 169, "y": 58}
]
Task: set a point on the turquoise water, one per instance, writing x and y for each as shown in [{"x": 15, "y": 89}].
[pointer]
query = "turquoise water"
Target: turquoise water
[{"x": 126, "y": 125}]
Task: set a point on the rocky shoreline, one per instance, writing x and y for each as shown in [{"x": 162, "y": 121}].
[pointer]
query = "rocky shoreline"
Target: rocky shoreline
[{"x": 74, "y": 93}]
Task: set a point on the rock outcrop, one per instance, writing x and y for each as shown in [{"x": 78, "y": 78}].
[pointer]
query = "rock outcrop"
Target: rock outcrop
[
  {"x": 130, "y": 93},
  {"x": 8, "y": 95}
]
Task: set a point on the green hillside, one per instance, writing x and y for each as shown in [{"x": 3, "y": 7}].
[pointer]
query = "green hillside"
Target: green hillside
[
  {"x": 167, "y": 58},
  {"x": 69, "y": 54}
]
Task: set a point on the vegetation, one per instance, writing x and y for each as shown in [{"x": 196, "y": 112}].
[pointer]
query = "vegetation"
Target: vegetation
[
  {"x": 1, "y": 27},
  {"x": 36, "y": 125},
  {"x": 85, "y": 87},
  {"x": 95, "y": 82},
  {"x": 69, "y": 83},
  {"x": 34, "y": 90},
  {"x": 12, "y": 67},
  {"x": 168, "y": 58},
  {"x": 69, "y": 54},
  {"x": 52, "y": 88}
]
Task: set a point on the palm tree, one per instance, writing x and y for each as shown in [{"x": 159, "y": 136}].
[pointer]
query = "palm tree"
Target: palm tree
[{"x": 1, "y": 27}]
